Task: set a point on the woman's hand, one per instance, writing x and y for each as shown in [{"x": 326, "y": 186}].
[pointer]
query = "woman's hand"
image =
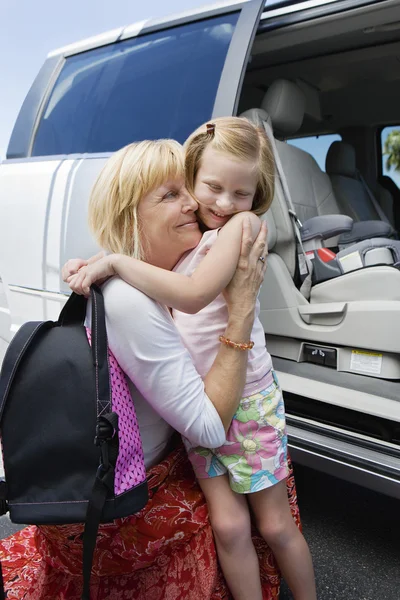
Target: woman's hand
[
  {"x": 96, "y": 272},
  {"x": 242, "y": 291},
  {"x": 241, "y": 294}
]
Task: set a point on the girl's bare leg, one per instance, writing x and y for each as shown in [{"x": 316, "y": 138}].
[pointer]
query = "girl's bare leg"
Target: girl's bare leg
[
  {"x": 276, "y": 525},
  {"x": 230, "y": 521}
]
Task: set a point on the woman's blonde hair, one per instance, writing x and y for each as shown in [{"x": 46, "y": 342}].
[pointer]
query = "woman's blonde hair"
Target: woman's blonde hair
[
  {"x": 240, "y": 138},
  {"x": 127, "y": 176}
]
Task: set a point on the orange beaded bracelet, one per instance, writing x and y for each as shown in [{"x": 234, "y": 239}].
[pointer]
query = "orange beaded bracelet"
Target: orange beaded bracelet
[{"x": 236, "y": 345}]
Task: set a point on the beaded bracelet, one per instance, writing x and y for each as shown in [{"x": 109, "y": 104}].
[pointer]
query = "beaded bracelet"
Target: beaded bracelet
[{"x": 236, "y": 345}]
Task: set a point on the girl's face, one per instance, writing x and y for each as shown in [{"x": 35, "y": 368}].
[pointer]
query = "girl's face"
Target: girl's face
[{"x": 224, "y": 186}]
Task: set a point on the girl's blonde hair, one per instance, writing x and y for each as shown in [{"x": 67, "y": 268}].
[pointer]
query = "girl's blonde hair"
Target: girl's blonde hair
[
  {"x": 127, "y": 176},
  {"x": 240, "y": 138}
]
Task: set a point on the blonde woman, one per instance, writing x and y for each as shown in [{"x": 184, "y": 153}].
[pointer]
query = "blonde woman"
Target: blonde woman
[
  {"x": 229, "y": 170},
  {"x": 140, "y": 206}
]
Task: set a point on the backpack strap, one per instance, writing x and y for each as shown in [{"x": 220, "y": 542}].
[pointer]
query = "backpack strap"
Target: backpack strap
[
  {"x": 104, "y": 483},
  {"x": 106, "y": 437},
  {"x": 74, "y": 310},
  {"x": 15, "y": 353},
  {"x": 100, "y": 352}
]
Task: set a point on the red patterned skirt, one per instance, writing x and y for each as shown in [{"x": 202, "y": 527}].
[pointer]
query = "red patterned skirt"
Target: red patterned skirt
[{"x": 165, "y": 552}]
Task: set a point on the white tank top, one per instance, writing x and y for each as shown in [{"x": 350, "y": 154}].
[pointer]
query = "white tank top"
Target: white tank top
[{"x": 200, "y": 332}]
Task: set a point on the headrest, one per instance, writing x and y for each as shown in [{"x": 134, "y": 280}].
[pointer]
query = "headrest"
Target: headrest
[
  {"x": 285, "y": 104},
  {"x": 341, "y": 160},
  {"x": 256, "y": 116},
  {"x": 272, "y": 233}
]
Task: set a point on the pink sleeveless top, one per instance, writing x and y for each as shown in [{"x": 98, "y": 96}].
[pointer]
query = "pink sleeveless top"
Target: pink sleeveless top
[{"x": 200, "y": 332}]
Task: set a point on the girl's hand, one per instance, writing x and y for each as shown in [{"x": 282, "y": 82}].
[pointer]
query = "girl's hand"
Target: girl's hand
[
  {"x": 97, "y": 272},
  {"x": 73, "y": 265},
  {"x": 71, "y": 268},
  {"x": 241, "y": 293}
]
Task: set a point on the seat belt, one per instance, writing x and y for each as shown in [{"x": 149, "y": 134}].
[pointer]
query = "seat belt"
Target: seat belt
[
  {"x": 374, "y": 201},
  {"x": 305, "y": 264}
]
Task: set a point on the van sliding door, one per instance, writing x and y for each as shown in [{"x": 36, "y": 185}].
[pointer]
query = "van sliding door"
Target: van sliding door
[{"x": 230, "y": 85}]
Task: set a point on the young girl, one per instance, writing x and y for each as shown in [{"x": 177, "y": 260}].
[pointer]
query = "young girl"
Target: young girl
[{"x": 229, "y": 171}]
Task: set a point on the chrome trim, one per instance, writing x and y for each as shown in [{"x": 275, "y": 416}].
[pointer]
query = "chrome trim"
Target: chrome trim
[
  {"x": 197, "y": 14},
  {"x": 350, "y": 452},
  {"x": 95, "y": 41},
  {"x": 60, "y": 157},
  {"x": 133, "y": 30},
  {"x": 331, "y": 430},
  {"x": 340, "y": 396},
  {"x": 45, "y": 294},
  {"x": 353, "y": 474},
  {"x": 321, "y": 9},
  {"x": 286, "y": 10},
  {"x": 346, "y": 460}
]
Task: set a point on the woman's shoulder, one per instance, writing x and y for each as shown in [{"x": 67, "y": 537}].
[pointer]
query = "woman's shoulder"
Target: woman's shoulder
[
  {"x": 133, "y": 316},
  {"x": 120, "y": 299}
]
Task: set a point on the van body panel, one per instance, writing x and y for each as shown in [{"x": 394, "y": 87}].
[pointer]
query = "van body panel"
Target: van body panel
[
  {"x": 28, "y": 192},
  {"x": 75, "y": 237}
]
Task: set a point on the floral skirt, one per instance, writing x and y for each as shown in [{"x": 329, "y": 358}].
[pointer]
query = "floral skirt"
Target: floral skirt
[
  {"x": 254, "y": 455},
  {"x": 164, "y": 552}
]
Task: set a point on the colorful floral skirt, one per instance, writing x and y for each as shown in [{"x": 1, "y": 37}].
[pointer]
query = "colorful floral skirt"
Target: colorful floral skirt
[
  {"x": 254, "y": 455},
  {"x": 165, "y": 552}
]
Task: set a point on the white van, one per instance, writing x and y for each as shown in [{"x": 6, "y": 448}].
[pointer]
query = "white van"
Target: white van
[{"x": 311, "y": 73}]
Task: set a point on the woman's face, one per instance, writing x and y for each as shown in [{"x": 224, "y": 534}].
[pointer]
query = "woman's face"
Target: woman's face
[{"x": 168, "y": 223}]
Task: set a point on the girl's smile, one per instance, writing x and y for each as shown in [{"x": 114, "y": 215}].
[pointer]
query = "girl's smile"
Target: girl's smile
[{"x": 224, "y": 186}]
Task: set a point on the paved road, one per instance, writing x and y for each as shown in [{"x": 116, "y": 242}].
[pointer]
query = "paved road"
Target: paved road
[{"x": 354, "y": 536}]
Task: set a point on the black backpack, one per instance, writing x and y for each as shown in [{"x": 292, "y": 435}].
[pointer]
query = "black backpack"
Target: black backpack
[{"x": 62, "y": 420}]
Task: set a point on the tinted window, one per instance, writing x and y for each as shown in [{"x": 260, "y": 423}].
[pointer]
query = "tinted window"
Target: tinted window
[
  {"x": 390, "y": 148},
  {"x": 158, "y": 85},
  {"x": 317, "y": 146}
]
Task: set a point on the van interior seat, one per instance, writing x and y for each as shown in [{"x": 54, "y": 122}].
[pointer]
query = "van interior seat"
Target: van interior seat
[
  {"x": 354, "y": 197},
  {"x": 312, "y": 194},
  {"x": 356, "y": 306},
  {"x": 386, "y": 185},
  {"x": 310, "y": 187},
  {"x": 313, "y": 198},
  {"x": 387, "y": 201}
]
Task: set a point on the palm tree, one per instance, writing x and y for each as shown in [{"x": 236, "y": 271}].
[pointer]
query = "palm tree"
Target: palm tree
[{"x": 391, "y": 148}]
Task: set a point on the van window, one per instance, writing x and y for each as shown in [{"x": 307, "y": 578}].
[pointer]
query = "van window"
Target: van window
[
  {"x": 317, "y": 146},
  {"x": 158, "y": 85},
  {"x": 390, "y": 148}
]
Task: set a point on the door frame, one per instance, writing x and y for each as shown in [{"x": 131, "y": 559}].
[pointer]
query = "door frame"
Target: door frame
[{"x": 237, "y": 58}]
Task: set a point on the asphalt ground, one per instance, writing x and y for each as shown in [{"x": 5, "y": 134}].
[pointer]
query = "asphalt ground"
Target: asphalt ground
[
  {"x": 353, "y": 534},
  {"x": 354, "y": 538}
]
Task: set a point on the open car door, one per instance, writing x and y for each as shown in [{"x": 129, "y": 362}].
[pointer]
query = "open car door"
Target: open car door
[{"x": 237, "y": 58}]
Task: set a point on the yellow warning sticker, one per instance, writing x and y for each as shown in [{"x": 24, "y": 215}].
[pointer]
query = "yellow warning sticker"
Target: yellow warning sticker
[{"x": 366, "y": 362}]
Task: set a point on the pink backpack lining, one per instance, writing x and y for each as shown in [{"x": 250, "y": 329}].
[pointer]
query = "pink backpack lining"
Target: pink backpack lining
[{"x": 130, "y": 470}]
